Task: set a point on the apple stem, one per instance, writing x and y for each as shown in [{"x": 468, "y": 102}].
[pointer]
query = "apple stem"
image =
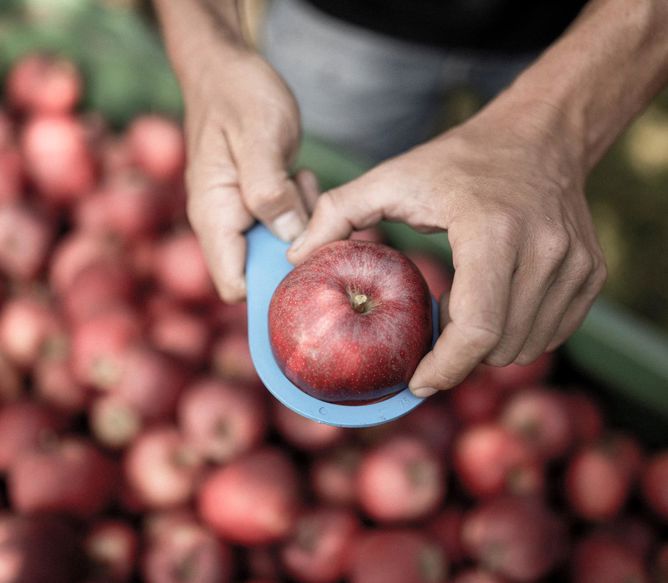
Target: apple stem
[{"x": 360, "y": 303}]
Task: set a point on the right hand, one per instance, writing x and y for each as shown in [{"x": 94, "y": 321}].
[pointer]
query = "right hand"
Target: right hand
[{"x": 242, "y": 133}]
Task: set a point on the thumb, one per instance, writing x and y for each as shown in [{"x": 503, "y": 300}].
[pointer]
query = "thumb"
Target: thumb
[
  {"x": 353, "y": 206},
  {"x": 268, "y": 192}
]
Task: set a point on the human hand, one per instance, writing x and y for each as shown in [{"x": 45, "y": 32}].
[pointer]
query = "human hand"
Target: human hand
[
  {"x": 242, "y": 132},
  {"x": 508, "y": 186}
]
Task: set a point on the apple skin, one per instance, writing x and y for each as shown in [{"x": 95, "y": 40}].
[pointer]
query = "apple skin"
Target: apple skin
[
  {"x": 598, "y": 558},
  {"x": 336, "y": 352},
  {"x": 655, "y": 484}
]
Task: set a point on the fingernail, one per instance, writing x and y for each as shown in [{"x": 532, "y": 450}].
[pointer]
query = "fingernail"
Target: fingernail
[
  {"x": 288, "y": 225},
  {"x": 297, "y": 243},
  {"x": 423, "y": 392}
]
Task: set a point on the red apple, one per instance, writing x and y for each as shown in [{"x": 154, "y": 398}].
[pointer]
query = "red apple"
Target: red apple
[
  {"x": 39, "y": 549},
  {"x": 655, "y": 484},
  {"x": 149, "y": 382},
  {"x": 11, "y": 174},
  {"x": 334, "y": 476},
  {"x": 11, "y": 382},
  {"x": 599, "y": 558},
  {"x": 435, "y": 272},
  {"x": 113, "y": 421},
  {"x": 28, "y": 327},
  {"x": 303, "y": 433},
  {"x": 157, "y": 146},
  {"x": 400, "y": 480},
  {"x": 25, "y": 238},
  {"x": 222, "y": 420},
  {"x": 516, "y": 376},
  {"x": 24, "y": 426},
  {"x": 161, "y": 522},
  {"x": 98, "y": 287},
  {"x": 112, "y": 547},
  {"x": 477, "y": 399},
  {"x": 70, "y": 476},
  {"x": 352, "y": 322},
  {"x": 319, "y": 549},
  {"x": 74, "y": 253},
  {"x": 516, "y": 537},
  {"x": 181, "y": 270},
  {"x": 541, "y": 417},
  {"x": 446, "y": 529},
  {"x": 188, "y": 553},
  {"x": 231, "y": 358},
  {"x": 253, "y": 500},
  {"x": 162, "y": 468},
  {"x": 586, "y": 417},
  {"x": 433, "y": 423},
  {"x": 127, "y": 206},
  {"x": 397, "y": 556},
  {"x": 489, "y": 460},
  {"x": 181, "y": 334},
  {"x": 41, "y": 83},
  {"x": 58, "y": 158},
  {"x": 100, "y": 344},
  {"x": 476, "y": 576},
  {"x": 634, "y": 533},
  {"x": 53, "y": 383},
  {"x": 661, "y": 564},
  {"x": 596, "y": 486}
]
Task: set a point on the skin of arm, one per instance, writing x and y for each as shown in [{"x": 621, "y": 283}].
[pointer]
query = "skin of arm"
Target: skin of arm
[{"x": 508, "y": 185}]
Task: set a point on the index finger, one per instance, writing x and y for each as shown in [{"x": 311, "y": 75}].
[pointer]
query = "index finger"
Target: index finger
[{"x": 478, "y": 306}]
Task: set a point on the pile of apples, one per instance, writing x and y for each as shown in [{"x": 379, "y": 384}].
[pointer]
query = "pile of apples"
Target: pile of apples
[{"x": 138, "y": 444}]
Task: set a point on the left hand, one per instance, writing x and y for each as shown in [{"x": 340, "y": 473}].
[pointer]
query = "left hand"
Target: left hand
[{"x": 508, "y": 186}]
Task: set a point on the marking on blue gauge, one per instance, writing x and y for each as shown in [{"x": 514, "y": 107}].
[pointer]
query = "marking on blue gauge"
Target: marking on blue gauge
[{"x": 266, "y": 267}]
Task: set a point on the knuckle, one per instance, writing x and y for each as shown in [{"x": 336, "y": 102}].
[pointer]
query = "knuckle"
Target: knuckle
[
  {"x": 554, "y": 245},
  {"x": 599, "y": 276},
  {"x": 264, "y": 197},
  {"x": 506, "y": 224},
  {"x": 480, "y": 338},
  {"x": 582, "y": 264}
]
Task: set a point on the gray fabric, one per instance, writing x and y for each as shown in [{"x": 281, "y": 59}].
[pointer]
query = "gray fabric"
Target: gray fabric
[{"x": 369, "y": 93}]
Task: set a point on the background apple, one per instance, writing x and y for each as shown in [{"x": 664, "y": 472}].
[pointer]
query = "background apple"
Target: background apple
[{"x": 352, "y": 322}]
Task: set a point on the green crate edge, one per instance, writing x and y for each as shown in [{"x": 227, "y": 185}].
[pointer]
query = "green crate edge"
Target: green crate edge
[{"x": 628, "y": 355}]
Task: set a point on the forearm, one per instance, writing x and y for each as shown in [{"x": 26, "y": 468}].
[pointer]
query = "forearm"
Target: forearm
[
  {"x": 192, "y": 27},
  {"x": 601, "y": 73}
]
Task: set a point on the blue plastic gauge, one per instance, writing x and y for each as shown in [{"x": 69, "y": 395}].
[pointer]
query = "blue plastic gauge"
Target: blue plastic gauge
[{"x": 266, "y": 267}]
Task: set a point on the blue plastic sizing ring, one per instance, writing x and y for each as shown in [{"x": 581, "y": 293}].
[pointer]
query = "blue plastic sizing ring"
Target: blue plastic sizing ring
[{"x": 266, "y": 267}]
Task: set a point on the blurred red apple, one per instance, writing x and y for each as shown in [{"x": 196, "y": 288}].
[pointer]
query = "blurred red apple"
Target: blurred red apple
[
  {"x": 157, "y": 146},
  {"x": 303, "y": 433},
  {"x": 655, "y": 484},
  {"x": 161, "y": 468},
  {"x": 11, "y": 174},
  {"x": 54, "y": 384},
  {"x": 222, "y": 420},
  {"x": 69, "y": 475},
  {"x": 477, "y": 399},
  {"x": 188, "y": 553},
  {"x": 596, "y": 486},
  {"x": 400, "y": 480},
  {"x": 39, "y": 549},
  {"x": 397, "y": 556},
  {"x": 542, "y": 418},
  {"x": 25, "y": 237},
  {"x": 253, "y": 500},
  {"x": 320, "y": 548},
  {"x": 516, "y": 537},
  {"x": 435, "y": 272},
  {"x": 100, "y": 344},
  {"x": 433, "y": 423},
  {"x": 24, "y": 426},
  {"x": 58, "y": 159},
  {"x": 516, "y": 376},
  {"x": 334, "y": 476},
  {"x": 42, "y": 83},
  {"x": 113, "y": 421},
  {"x": 599, "y": 558},
  {"x": 446, "y": 529},
  {"x": 352, "y": 322},
  {"x": 476, "y": 576},
  {"x": 586, "y": 417},
  {"x": 11, "y": 382},
  {"x": 112, "y": 547},
  {"x": 181, "y": 334},
  {"x": 231, "y": 357},
  {"x": 180, "y": 268},
  {"x": 489, "y": 460}
]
